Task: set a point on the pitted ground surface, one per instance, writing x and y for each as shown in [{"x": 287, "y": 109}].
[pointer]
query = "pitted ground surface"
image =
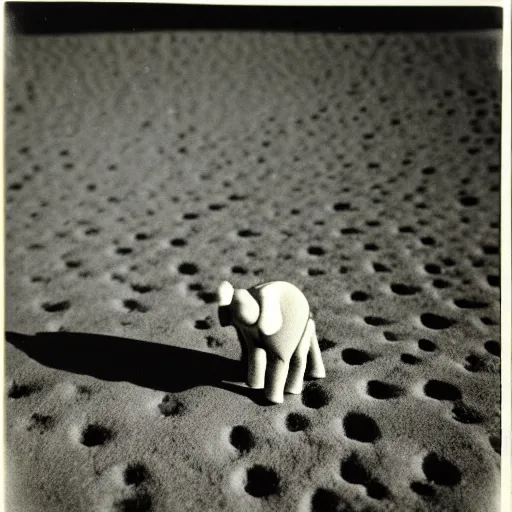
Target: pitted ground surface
[{"x": 143, "y": 169}]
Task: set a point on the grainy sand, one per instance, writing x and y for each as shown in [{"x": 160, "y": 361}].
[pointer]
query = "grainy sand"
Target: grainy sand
[{"x": 143, "y": 169}]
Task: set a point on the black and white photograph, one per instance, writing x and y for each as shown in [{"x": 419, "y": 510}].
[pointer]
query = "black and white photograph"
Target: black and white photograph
[{"x": 253, "y": 258}]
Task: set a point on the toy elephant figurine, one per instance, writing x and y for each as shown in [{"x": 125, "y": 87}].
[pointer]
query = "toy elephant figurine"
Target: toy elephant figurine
[{"x": 274, "y": 325}]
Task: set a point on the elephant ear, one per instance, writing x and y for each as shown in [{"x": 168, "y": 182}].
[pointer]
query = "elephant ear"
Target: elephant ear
[{"x": 271, "y": 318}]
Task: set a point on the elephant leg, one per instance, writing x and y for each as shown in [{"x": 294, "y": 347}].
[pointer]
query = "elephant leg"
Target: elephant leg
[
  {"x": 275, "y": 378},
  {"x": 317, "y": 370},
  {"x": 298, "y": 363},
  {"x": 257, "y": 360}
]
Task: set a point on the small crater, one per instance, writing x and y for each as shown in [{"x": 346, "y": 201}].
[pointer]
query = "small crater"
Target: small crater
[
  {"x": 178, "y": 242},
  {"x": 325, "y": 344},
  {"x": 436, "y": 322},
  {"x": 134, "y": 305},
  {"x": 316, "y": 250},
  {"x": 206, "y": 323},
  {"x": 124, "y": 250},
  {"x": 423, "y": 489},
  {"x": 354, "y": 356},
  {"x": 350, "y": 231},
  {"x": 390, "y": 336},
  {"x": 73, "y": 263},
  {"x": 141, "y": 502},
  {"x": 136, "y": 474},
  {"x": 440, "y": 471},
  {"x": 248, "y": 233},
  {"x": 207, "y": 297},
  {"x": 493, "y": 280},
  {"x": 359, "y": 296},
  {"x": 371, "y": 247},
  {"x": 465, "y": 414},
  {"x": 142, "y": 236},
  {"x": 40, "y": 423},
  {"x": 493, "y": 347},
  {"x": 491, "y": 249},
  {"x": 214, "y": 342},
  {"x": 141, "y": 288},
  {"x": 314, "y": 396},
  {"x": 428, "y": 240},
  {"x": 376, "y": 490},
  {"x": 495, "y": 442},
  {"x": 262, "y": 482},
  {"x": 188, "y": 269},
  {"x": 341, "y": 207},
  {"x": 440, "y": 283},
  {"x": 379, "y": 267},
  {"x": 376, "y": 321},
  {"x": 469, "y": 304},
  {"x": 315, "y": 272},
  {"x": 403, "y": 289},
  {"x": 324, "y": 500},
  {"x": 353, "y": 472},
  {"x": 427, "y": 345},
  {"x": 432, "y": 268},
  {"x": 237, "y": 269},
  {"x": 475, "y": 363},
  {"x": 17, "y": 391},
  {"x": 409, "y": 359},
  {"x": 55, "y": 307},
  {"x": 295, "y": 422},
  {"x": 383, "y": 391},
  {"x": 468, "y": 201},
  {"x": 361, "y": 427},
  {"x": 190, "y": 216},
  {"x": 95, "y": 435},
  {"x": 242, "y": 439},
  {"x": 441, "y": 390},
  {"x": 171, "y": 406}
]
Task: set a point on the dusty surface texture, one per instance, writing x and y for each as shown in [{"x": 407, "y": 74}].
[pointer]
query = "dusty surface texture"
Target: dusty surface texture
[{"x": 143, "y": 169}]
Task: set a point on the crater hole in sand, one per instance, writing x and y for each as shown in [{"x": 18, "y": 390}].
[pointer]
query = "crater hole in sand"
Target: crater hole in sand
[
  {"x": 316, "y": 250},
  {"x": 359, "y": 296},
  {"x": 493, "y": 280},
  {"x": 355, "y": 356},
  {"x": 427, "y": 345},
  {"x": 350, "y": 231},
  {"x": 207, "y": 297},
  {"x": 423, "y": 489},
  {"x": 213, "y": 342},
  {"x": 262, "y": 482},
  {"x": 379, "y": 267},
  {"x": 432, "y": 268},
  {"x": 56, "y": 307},
  {"x": 436, "y": 322},
  {"x": 141, "y": 502},
  {"x": 341, "y": 207},
  {"x": 142, "y": 288},
  {"x": 390, "y": 336},
  {"x": 248, "y": 233},
  {"x": 440, "y": 470},
  {"x": 314, "y": 396},
  {"x": 315, "y": 272},
  {"x": 325, "y": 344},
  {"x": 469, "y": 304},
  {"x": 493, "y": 347},
  {"x": 361, "y": 427},
  {"x": 17, "y": 391},
  {"x": 171, "y": 406},
  {"x": 440, "y": 390},
  {"x": 238, "y": 269},
  {"x": 135, "y": 474},
  {"x": 440, "y": 283},
  {"x": 40, "y": 422},
  {"x": 465, "y": 414},
  {"x": 295, "y": 422},
  {"x": 178, "y": 242},
  {"x": 135, "y": 306},
  {"x": 324, "y": 500},
  {"x": 376, "y": 321},
  {"x": 188, "y": 269},
  {"x": 475, "y": 363},
  {"x": 495, "y": 442},
  {"x": 95, "y": 435},
  {"x": 382, "y": 390},
  {"x": 404, "y": 289},
  {"x": 124, "y": 250},
  {"x": 204, "y": 324},
  {"x": 242, "y": 439}
]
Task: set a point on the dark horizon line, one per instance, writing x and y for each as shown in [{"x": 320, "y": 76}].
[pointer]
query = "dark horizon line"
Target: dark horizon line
[{"x": 77, "y": 17}]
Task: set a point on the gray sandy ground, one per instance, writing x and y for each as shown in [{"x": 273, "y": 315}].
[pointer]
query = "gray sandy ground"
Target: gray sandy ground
[{"x": 144, "y": 169}]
